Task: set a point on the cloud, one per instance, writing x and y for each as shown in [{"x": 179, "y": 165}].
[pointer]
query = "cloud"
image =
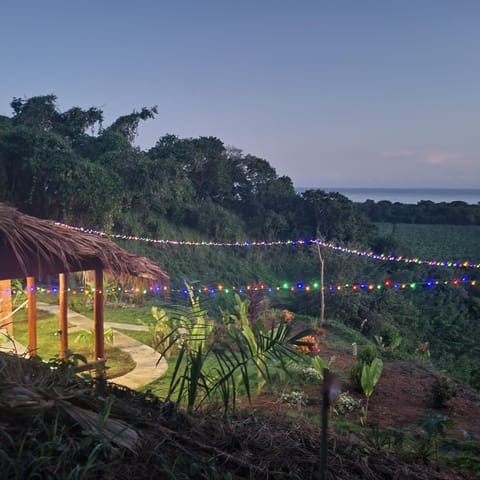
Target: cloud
[{"x": 426, "y": 157}]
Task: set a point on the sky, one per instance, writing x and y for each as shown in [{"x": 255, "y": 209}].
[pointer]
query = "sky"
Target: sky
[{"x": 337, "y": 93}]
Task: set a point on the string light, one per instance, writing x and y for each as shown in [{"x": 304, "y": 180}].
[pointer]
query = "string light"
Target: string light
[
  {"x": 296, "y": 287},
  {"x": 282, "y": 243}
]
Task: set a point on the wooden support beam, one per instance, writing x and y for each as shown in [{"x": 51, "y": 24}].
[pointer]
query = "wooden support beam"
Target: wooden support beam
[
  {"x": 32, "y": 316},
  {"x": 98, "y": 318},
  {"x": 6, "y": 320},
  {"x": 63, "y": 314}
]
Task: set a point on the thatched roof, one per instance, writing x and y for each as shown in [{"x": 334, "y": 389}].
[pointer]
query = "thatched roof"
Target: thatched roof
[{"x": 33, "y": 247}]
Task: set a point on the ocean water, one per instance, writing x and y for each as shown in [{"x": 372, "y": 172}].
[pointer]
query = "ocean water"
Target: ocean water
[{"x": 409, "y": 195}]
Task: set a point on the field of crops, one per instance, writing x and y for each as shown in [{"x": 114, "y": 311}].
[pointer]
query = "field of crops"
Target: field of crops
[{"x": 445, "y": 242}]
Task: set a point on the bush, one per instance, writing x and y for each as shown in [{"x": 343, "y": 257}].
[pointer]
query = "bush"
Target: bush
[
  {"x": 442, "y": 392},
  {"x": 356, "y": 376},
  {"x": 389, "y": 334},
  {"x": 365, "y": 357},
  {"x": 368, "y": 354},
  {"x": 346, "y": 404}
]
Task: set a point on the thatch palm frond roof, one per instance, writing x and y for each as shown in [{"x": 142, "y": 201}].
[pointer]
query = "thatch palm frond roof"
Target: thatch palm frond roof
[{"x": 30, "y": 246}]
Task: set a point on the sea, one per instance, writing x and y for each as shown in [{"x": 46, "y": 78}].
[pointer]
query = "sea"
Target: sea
[{"x": 407, "y": 195}]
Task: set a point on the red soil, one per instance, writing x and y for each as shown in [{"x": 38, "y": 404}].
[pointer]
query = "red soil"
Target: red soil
[{"x": 402, "y": 396}]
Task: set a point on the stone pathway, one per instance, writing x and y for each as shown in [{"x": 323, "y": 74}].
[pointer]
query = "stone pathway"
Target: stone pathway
[{"x": 146, "y": 369}]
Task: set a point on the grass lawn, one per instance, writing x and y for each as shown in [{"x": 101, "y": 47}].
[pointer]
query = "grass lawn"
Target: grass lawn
[
  {"x": 132, "y": 314},
  {"x": 117, "y": 313},
  {"x": 48, "y": 342},
  {"x": 161, "y": 386},
  {"x": 142, "y": 337}
]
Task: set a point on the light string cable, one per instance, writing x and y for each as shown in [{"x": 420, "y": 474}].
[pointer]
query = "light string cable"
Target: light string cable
[
  {"x": 287, "y": 287},
  {"x": 269, "y": 243}
]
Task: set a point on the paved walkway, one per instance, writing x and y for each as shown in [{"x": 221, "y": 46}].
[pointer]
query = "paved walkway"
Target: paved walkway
[
  {"x": 146, "y": 369},
  {"x": 9, "y": 344}
]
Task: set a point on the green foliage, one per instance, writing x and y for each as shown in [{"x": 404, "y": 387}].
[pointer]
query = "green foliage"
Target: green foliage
[
  {"x": 369, "y": 379},
  {"x": 295, "y": 398},
  {"x": 304, "y": 374},
  {"x": 367, "y": 354},
  {"x": 434, "y": 426},
  {"x": 213, "y": 360},
  {"x": 47, "y": 450},
  {"x": 375, "y": 438},
  {"x": 463, "y": 454},
  {"x": 319, "y": 364},
  {"x": 162, "y": 327},
  {"x": 388, "y": 337},
  {"x": 442, "y": 392},
  {"x": 344, "y": 335},
  {"x": 240, "y": 316},
  {"x": 335, "y": 217},
  {"x": 345, "y": 404},
  {"x": 444, "y": 241},
  {"x": 99, "y": 178},
  {"x": 356, "y": 376},
  {"x": 69, "y": 366},
  {"x": 424, "y": 212},
  {"x": 370, "y": 376},
  {"x": 88, "y": 336}
]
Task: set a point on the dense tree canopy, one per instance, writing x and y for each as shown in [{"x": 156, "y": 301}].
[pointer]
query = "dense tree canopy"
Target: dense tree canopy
[
  {"x": 424, "y": 212},
  {"x": 67, "y": 165}
]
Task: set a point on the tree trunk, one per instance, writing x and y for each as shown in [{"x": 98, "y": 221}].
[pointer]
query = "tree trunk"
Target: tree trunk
[{"x": 322, "y": 282}]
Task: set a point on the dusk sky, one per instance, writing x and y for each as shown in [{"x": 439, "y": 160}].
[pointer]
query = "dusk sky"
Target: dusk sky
[{"x": 339, "y": 93}]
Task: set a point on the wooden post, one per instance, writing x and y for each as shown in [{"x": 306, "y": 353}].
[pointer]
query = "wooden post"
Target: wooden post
[
  {"x": 63, "y": 314},
  {"x": 32, "y": 316},
  {"x": 6, "y": 320},
  {"x": 324, "y": 433},
  {"x": 99, "y": 350},
  {"x": 330, "y": 393}
]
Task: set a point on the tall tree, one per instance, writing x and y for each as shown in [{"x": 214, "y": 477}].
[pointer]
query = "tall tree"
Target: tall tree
[{"x": 127, "y": 125}]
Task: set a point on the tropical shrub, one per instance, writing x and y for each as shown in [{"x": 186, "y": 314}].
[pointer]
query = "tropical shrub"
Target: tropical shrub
[
  {"x": 88, "y": 336},
  {"x": 346, "y": 404},
  {"x": 441, "y": 392},
  {"x": 365, "y": 356},
  {"x": 319, "y": 364},
  {"x": 296, "y": 398},
  {"x": 388, "y": 337},
  {"x": 370, "y": 377},
  {"x": 214, "y": 360},
  {"x": 434, "y": 426}
]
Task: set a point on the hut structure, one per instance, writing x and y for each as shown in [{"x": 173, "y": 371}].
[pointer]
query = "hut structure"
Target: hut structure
[{"x": 33, "y": 248}]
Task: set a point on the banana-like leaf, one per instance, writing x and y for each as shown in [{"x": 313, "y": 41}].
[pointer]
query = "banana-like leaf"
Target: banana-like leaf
[{"x": 370, "y": 376}]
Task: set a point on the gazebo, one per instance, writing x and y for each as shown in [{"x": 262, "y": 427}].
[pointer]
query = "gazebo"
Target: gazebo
[{"x": 33, "y": 248}]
